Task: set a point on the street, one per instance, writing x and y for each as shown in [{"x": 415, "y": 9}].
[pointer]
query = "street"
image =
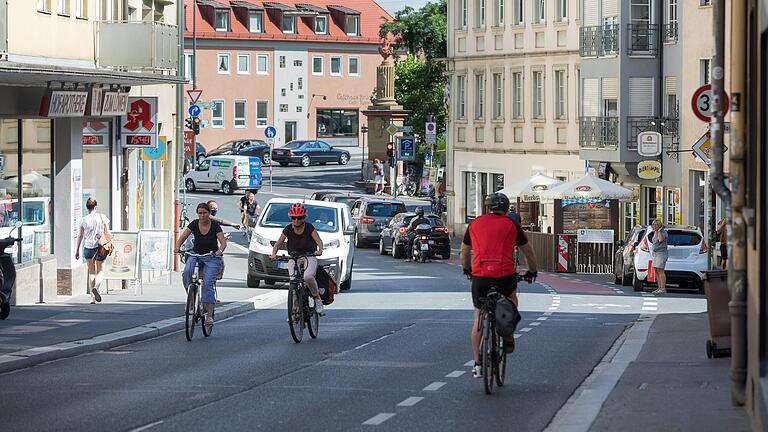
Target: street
[{"x": 393, "y": 353}]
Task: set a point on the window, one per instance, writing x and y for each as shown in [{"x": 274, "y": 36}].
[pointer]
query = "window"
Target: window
[
  {"x": 222, "y": 21},
  {"x": 321, "y": 24},
  {"x": 283, "y": 92},
  {"x": 498, "y": 96},
  {"x": 336, "y": 66},
  {"x": 705, "y": 2},
  {"x": 317, "y": 65},
  {"x": 538, "y": 94},
  {"x": 188, "y": 67},
  {"x": 243, "y": 64},
  {"x": 517, "y": 95},
  {"x": 561, "y": 92},
  {"x": 479, "y": 96},
  {"x": 463, "y": 15},
  {"x": 44, "y": 5},
  {"x": 498, "y": 13},
  {"x": 256, "y": 22},
  {"x": 289, "y": 24},
  {"x": 283, "y": 107},
  {"x": 262, "y": 65},
  {"x": 461, "y": 96},
  {"x": 538, "y": 11},
  {"x": 223, "y": 64},
  {"x": 673, "y": 209},
  {"x": 334, "y": 123},
  {"x": 561, "y": 10},
  {"x": 299, "y": 109},
  {"x": 105, "y": 10},
  {"x": 518, "y": 18},
  {"x": 291, "y": 86},
  {"x": 704, "y": 71},
  {"x": 240, "y": 111},
  {"x": 353, "y": 24},
  {"x": 282, "y": 62},
  {"x": 63, "y": 8},
  {"x": 300, "y": 83},
  {"x": 671, "y": 11},
  {"x": 353, "y": 66},
  {"x": 479, "y": 13},
  {"x": 80, "y": 8},
  {"x": 217, "y": 114},
  {"x": 262, "y": 113}
]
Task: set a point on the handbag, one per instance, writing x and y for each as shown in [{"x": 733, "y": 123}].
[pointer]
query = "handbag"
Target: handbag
[{"x": 105, "y": 247}]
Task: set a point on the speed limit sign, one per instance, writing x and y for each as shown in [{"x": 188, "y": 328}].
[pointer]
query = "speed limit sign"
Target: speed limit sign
[{"x": 702, "y": 103}]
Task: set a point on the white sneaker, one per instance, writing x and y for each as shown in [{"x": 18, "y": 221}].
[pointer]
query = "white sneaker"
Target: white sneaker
[
  {"x": 319, "y": 306},
  {"x": 477, "y": 371}
]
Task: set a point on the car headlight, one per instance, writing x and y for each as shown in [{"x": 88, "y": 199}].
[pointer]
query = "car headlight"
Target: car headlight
[
  {"x": 261, "y": 239},
  {"x": 331, "y": 244}
]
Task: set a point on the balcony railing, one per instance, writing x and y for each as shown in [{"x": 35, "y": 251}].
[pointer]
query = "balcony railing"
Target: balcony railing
[
  {"x": 137, "y": 46},
  {"x": 666, "y": 126},
  {"x": 670, "y": 32},
  {"x": 597, "y": 41},
  {"x": 598, "y": 132},
  {"x": 642, "y": 39}
]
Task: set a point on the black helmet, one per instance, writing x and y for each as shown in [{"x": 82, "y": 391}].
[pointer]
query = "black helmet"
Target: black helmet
[
  {"x": 497, "y": 203},
  {"x": 419, "y": 211}
]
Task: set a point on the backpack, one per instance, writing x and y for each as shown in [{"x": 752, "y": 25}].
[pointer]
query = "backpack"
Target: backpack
[
  {"x": 326, "y": 285},
  {"x": 507, "y": 318}
]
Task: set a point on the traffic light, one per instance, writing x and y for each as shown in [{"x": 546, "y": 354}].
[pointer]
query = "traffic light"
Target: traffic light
[
  {"x": 196, "y": 125},
  {"x": 188, "y": 122},
  {"x": 390, "y": 149}
]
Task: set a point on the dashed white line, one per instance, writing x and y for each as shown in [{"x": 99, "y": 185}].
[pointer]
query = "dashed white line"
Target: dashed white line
[
  {"x": 651, "y": 309},
  {"x": 434, "y": 386},
  {"x": 552, "y": 308},
  {"x": 535, "y": 323},
  {"x": 548, "y": 313},
  {"x": 525, "y": 330},
  {"x": 517, "y": 335},
  {"x": 541, "y": 318},
  {"x": 378, "y": 419},
  {"x": 411, "y": 401},
  {"x": 470, "y": 363},
  {"x": 455, "y": 374},
  {"x": 147, "y": 426}
]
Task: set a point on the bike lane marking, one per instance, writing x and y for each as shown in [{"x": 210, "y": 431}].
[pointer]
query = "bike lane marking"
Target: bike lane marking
[
  {"x": 378, "y": 419},
  {"x": 411, "y": 401}
]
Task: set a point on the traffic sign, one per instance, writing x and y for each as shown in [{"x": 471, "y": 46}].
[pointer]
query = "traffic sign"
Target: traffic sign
[
  {"x": 270, "y": 132},
  {"x": 157, "y": 153},
  {"x": 701, "y": 103},
  {"x": 703, "y": 148},
  {"x": 391, "y": 129},
  {"x": 406, "y": 147},
  {"x": 194, "y": 110},
  {"x": 649, "y": 143},
  {"x": 431, "y": 135},
  {"x": 194, "y": 95}
]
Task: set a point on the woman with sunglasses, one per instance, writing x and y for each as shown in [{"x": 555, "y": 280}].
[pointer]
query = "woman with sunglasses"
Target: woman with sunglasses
[
  {"x": 208, "y": 239},
  {"x": 302, "y": 239}
]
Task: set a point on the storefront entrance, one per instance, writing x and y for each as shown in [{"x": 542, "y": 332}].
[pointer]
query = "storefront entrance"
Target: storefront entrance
[{"x": 97, "y": 159}]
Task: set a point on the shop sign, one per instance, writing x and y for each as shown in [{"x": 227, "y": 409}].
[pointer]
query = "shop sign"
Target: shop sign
[
  {"x": 584, "y": 188},
  {"x": 189, "y": 144},
  {"x": 649, "y": 143},
  {"x": 158, "y": 153},
  {"x": 649, "y": 169},
  {"x": 155, "y": 250},
  {"x": 114, "y": 104},
  {"x": 123, "y": 263},
  {"x": 139, "y": 125},
  {"x": 530, "y": 198},
  {"x": 595, "y": 236},
  {"x": 97, "y": 97},
  {"x": 67, "y": 103}
]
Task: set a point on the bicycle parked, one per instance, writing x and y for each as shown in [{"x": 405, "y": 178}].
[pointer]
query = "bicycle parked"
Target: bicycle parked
[
  {"x": 302, "y": 307},
  {"x": 194, "y": 310}
]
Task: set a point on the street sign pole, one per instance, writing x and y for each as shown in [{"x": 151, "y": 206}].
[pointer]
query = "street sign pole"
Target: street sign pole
[{"x": 270, "y": 132}]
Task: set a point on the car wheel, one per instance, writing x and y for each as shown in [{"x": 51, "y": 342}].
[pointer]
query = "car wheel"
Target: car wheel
[
  {"x": 396, "y": 252},
  {"x": 347, "y": 284},
  {"x": 266, "y": 160},
  {"x": 269, "y": 282},
  {"x": 253, "y": 281},
  {"x": 190, "y": 185},
  {"x": 358, "y": 242},
  {"x": 626, "y": 279},
  {"x": 343, "y": 159},
  {"x": 637, "y": 284},
  {"x": 305, "y": 161},
  {"x": 283, "y": 164},
  {"x": 226, "y": 188},
  {"x": 382, "y": 250},
  {"x": 447, "y": 254},
  {"x": 617, "y": 279}
]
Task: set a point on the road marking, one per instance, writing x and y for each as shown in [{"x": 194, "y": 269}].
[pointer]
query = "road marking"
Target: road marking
[
  {"x": 652, "y": 309},
  {"x": 378, "y": 419},
  {"x": 145, "y": 427},
  {"x": 527, "y": 329},
  {"x": 541, "y": 318},
  {"x": 434, "y": 386},
  {"x": 413, "y": 400},
  {"x": 548, "y": 313},
  {"x": 517, "y": 335},
  {"x": 535, "y": 323},
  {"x": 237, "y": 246},
  {"x": 643, "y": 386},
  {"x": 552, "y": 308},
  {"x": 470, "y": 363},
  {"x": 455, "y": 374}
]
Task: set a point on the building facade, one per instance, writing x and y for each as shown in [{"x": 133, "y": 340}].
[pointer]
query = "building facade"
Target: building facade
[
  {"x": 306, "y": 68},
  {"x": 513, "y": 113}
]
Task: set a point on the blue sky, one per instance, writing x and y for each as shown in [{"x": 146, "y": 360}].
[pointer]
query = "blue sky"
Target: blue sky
[{"x": 393, "y": 6}]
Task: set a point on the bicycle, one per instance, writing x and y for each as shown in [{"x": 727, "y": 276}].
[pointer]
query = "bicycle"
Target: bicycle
[
  {"x": 301, "y": 314},
  {"x": 194, "y": 311}
]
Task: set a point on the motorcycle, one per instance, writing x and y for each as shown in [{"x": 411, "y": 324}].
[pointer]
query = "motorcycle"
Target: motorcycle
[
  {"x": 438, "y": 204},
  {"x": 420, "y": 250},
  {"x": 7, "y": 273}
]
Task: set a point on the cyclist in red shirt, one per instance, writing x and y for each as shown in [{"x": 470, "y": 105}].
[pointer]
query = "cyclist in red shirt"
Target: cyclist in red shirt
[{"x": 488, "y": 256}]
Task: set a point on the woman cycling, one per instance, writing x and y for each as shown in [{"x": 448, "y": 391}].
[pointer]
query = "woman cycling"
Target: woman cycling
[
  {"x": 302, "y": 239},
  {"x": 208, "y": 238}
]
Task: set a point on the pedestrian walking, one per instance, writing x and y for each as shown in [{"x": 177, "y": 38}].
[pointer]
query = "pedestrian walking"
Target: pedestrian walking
[
  {"x": 721, "y": 231},
  {"x": 378, "y": 176},
  {"x": 94, "y": 232},
  {"x": 659, "y": 255}
]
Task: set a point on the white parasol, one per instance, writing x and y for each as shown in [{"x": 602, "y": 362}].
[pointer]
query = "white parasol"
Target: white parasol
[
  {"x": 588, "y": 187},
  {"x": 529, "y": 190}
]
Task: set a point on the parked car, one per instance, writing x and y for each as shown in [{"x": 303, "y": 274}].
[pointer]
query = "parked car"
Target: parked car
[
  {"x": 244, "y": 147},
  {"x": 624, "y": 258},
  {"x": 225, "y": 173},
  {"x": 333, "y": 222},
  {"x": 371, "y": 214},
  {"x": 687, "y": 258},
  {"x": 306, "y": 153},
  {"x": 345, "y": 198},
  {"x": 318, "y": 195},
  {"x": 394, "y": 236}
]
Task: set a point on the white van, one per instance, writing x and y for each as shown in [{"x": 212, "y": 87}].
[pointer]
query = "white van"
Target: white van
[
  {"x": 333, "y": 223},
  {"x": 225, "y": 173}
]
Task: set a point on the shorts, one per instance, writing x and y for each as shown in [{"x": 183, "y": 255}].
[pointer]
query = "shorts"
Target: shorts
[
  {"x": 505, "y": 285},
  {"x": 724, "y": 251},
  {"x": 659, "y": 260},
  {"x": 379, "y": 179},
  {"x": 90, "y": 253}
]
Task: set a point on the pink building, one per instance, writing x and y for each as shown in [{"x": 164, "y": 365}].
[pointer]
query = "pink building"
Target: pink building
[{"x": 307, "y": 68}]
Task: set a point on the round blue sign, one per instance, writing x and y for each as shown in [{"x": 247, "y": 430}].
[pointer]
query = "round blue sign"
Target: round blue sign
[
  {"x": 194, "y": 110},
  {"x": 157, "y": 152},
  {"x": 270, "y": 132}
]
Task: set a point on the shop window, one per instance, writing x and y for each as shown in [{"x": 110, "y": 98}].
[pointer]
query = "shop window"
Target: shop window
[
  {"x": 673, "y": 207},
  {"x": 654, "y": 204},
  {"x": 470, "y": 196},
  {"x": 332, "y": 123}
]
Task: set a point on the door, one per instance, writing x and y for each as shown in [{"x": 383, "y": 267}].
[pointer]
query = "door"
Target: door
[
  {"x": 290, "y": 131},
  {"x": 323, "y": 151},
  {"x": 202, "y": 175},
  {"x": 346, "y": 218}
]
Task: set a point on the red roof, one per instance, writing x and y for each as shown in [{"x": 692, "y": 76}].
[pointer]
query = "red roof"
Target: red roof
[{"x": 371, "y": 17}]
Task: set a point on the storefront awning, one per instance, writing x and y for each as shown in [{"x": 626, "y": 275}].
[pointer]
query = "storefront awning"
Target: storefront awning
[
  {"x": 33, "y": 75},
  {"x": 587, "y": 188}
]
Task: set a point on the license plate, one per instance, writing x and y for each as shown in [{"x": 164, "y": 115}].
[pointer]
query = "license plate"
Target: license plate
[
  {"x": 424, "y": 246},
  {"x": 282, "y": 265}
]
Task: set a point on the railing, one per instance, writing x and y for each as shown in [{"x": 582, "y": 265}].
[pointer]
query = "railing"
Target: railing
[
  {"x": 642, "y": 39},
  {"x": 669, "y": 34},
  {"x": 153, "y": 46},
  {"x": 666, "y": 127},
  {"x": 596, "y": 41},
  {"x": 599, "y": 132},
  {"x": 545, "y": 249}
]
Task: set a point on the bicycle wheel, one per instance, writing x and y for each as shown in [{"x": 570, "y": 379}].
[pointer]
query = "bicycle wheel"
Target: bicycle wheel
[
  {"x": 501, "y": 364},
  {"x": 295, "y": 315},
  {"x": 190, "y": 311},
  {"x": 486, "y": 354},
  {"x": 313, "y": 318}
]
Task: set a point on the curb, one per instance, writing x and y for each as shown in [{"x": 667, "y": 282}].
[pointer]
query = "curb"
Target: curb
[{"x": 37, "y": 355}]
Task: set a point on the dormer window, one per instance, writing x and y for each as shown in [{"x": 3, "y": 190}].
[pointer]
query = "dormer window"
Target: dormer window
[
  {"x": 256, "y": 22},
  {"x": 289, "y": 24},
  {"x": 222, "y": 20},
  {"x": 353, "y": 25},
  {"x": 321, "y": 24}
]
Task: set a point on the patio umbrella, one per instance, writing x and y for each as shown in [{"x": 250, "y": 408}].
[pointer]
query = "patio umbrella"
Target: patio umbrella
[
  {"x": 33, "y": 183},
  {"x": 529, "y": 190},
  {"x": 588, "y": 187}
]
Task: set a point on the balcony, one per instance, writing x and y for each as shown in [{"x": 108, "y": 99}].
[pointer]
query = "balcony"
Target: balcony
[
  {"x": 137, "y": 46},
  {"x": 669, "y": 34},
  {"x": 665, "y": 126},
  {"x": 599, "y": 132},
  {"x": 642, "y": 39},
  {"x": 598, "y": 41}
]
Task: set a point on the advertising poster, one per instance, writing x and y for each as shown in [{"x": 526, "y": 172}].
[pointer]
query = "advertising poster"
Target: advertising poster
[
  {"x": 155, "y": 249},
  {"x": 77, "y": 201},
  {"x": 123, "y": 263}
]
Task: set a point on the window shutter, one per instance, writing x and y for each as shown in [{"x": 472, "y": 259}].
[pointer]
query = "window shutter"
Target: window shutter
[
  {"x": 610, "y": 88},
  {"x": 641, "y": 96},
  {"x": 591, "y": 97},
  {"x": 610, "y": 8},
  {"x": 670, "y": 85},
  {"x": 591, "y": 13}
]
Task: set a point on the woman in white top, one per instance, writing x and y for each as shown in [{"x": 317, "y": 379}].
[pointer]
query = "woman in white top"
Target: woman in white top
[{"x": 93, "y": 227}]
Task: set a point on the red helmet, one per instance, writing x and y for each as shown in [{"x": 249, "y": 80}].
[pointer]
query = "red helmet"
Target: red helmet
[{"x": 297, "y": 210}]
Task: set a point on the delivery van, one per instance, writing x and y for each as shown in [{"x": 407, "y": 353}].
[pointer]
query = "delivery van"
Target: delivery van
[{"x": 225, "y": 173}]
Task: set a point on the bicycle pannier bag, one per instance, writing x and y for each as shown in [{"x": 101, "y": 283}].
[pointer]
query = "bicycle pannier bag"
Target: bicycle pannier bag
[
  {"x": 507, "y": 318},
  {"x": 326, "y": 284}
]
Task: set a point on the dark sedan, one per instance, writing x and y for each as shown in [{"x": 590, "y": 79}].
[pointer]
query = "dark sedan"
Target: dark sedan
[
  {"x": 346, "y": 198},
  {"x": 246, "y": 147},
  {"x": 394, "y": 238},
  {"x": 305, "y": 153}
]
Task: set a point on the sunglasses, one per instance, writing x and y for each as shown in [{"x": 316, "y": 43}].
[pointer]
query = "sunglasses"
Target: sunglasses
[{"x": 297, "y": 217}]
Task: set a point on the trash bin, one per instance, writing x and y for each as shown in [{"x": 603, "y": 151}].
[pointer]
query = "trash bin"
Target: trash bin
[{"x": 718, "y": 297}]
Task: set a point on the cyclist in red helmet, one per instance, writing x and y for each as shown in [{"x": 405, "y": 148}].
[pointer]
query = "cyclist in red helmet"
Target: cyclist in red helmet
[{"x": 302, "y": 239}]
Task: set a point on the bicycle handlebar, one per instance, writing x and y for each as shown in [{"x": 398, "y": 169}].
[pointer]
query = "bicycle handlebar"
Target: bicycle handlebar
[
  {"x": 193, "y": 254},
  {"x": 295, "y": 256}
]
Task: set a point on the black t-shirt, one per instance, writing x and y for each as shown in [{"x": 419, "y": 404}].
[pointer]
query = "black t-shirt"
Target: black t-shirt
[
  {"x": 520, "y": 240},
  {"x": 205, "y": 243},
  {"x": 249, "y": 207},
  {"x": 300, "y": 243}
]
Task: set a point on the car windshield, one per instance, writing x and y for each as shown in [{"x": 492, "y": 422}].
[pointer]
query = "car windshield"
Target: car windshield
[
  {"x": 226, "y": 146},
  {"x": 680, "y": 238},
  {"x": 323, "y": 218},
  {"x": 384, "y": 209},
  {"x": 432, "y": 220},
  {"x": 294, "y": 144},
  {"x": 348, "y": 200}
]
